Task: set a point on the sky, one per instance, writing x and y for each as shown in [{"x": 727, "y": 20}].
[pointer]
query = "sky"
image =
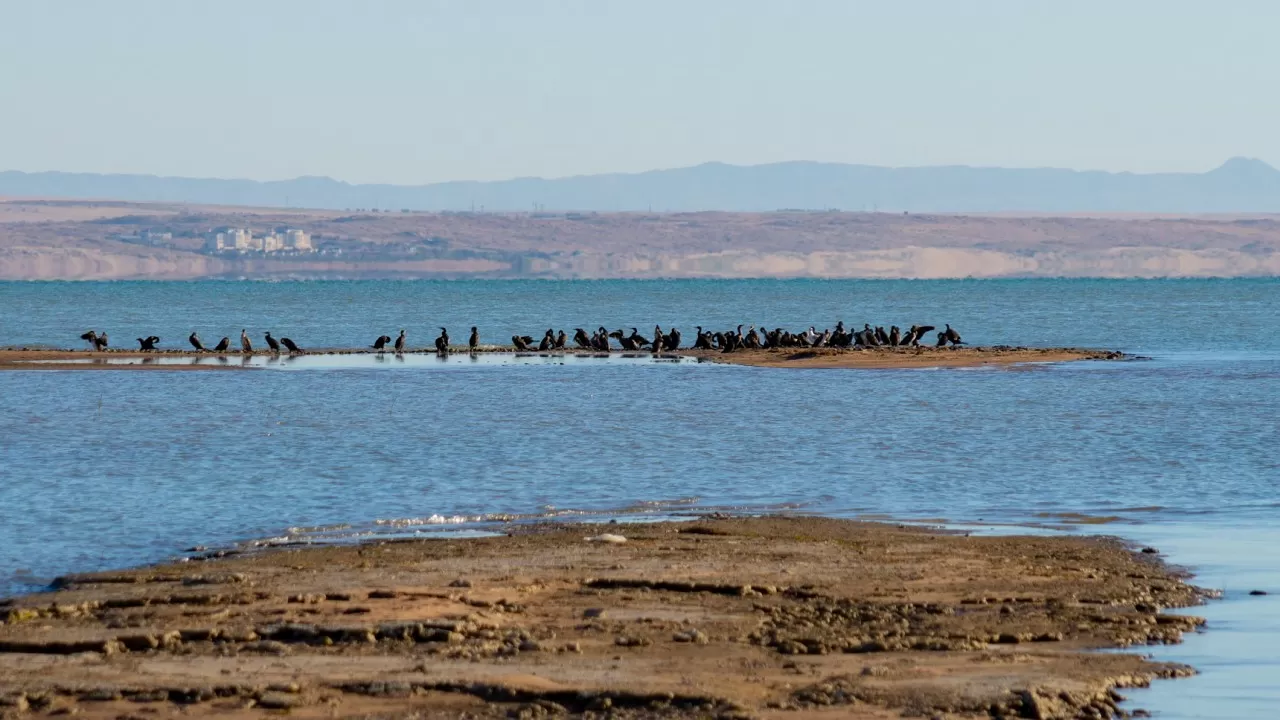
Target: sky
[{"x": 420, "y": 91}]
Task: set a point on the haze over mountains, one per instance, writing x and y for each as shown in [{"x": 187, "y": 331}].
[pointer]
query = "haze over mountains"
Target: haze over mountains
[{"x": 1240, "y": 185}]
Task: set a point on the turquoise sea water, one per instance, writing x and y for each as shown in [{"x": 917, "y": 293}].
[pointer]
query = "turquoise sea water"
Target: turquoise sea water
[{"x": 110, "y": 469}]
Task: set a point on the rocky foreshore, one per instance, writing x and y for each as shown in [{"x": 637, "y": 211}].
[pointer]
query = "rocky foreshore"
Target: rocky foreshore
[
  {"x": 882, "y": 358},
  {"x": 723, "y": 617}
]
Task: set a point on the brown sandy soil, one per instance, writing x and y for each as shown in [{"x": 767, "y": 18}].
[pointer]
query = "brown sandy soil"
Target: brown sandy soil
[
  {"x": 765, "y": 617},
  {"x": 871, "y": 358},
  {"x": 889, "y": 358}
]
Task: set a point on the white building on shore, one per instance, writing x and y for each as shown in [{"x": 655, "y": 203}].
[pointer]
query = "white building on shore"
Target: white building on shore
[{"x": 242, "y": 240}]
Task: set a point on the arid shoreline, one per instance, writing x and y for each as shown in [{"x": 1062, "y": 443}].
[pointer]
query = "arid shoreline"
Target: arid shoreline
[
  {"x": 773, "y": 617},
  {"x": 869, "y": 358}
]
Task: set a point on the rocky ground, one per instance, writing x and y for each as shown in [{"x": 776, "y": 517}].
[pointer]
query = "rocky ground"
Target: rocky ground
[
  {"x": 867, "y": 358},
  {"x": 722, "y": 617}
]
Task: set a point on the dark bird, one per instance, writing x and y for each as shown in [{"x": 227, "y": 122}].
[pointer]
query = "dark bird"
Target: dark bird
[
  {"x": 561, "y": 339},
  {"x": 442, "y": 342},
  {"x": 381, "y": 342},
  {"x": 953, "y": 337},
  {"x": 942, "y": 340},
  {"x": 148, "y": 343},
  {"x": 293, "y": 348},
  {"x": 895, "y": 336},
  {"x": 701, "y": 340},
  {"x": 100, "y": 342},
  {"x": 672, "y": 341},
  {"x": 400, "y": 342},
  {"x": 245, "y": 345},
  {"x": 271, "y": 343},
  {"x": 474, "y": 341},
  {"x": 625, "y": 341},
  {"x": 548, "y": 341},
  {"x": 580, "y": 339},
  {"x": 91, "y": 337},
  {"x": 194, "y": 339},
  {"x": 222, "y": 345},
  {"x": 520, "y": 342},
  {"x": 882, "y": 337}
]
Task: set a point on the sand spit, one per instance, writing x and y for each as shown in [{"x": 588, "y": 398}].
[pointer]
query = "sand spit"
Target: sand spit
[
  {"x": 867, "y": 358},
  {"x": 721, "y": 617}
]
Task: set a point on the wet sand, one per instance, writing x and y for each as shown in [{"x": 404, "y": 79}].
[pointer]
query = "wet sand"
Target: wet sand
[
  {"x": 869, "y": 358},
  {"x": 885, "y": 358},
  {"x": 723, "y": 617}
]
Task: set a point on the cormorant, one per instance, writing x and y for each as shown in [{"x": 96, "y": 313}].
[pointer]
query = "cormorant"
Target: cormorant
[
  {"x": 626, "y": 342},
  {"x": 293, "y": 348},
  {"x": 942, "y": 340},
  {"x": 882, "y": 337},
  {"x": 561, "y": 339},
  {"x": 895, "y": 336},
  {"x": 580, "y": 339},
  {"x": 148, "y": 343},
  {"x": 194, "y": 339},
  {"x": 673, "y": 341},
  {"x": 244, "y": 342},
  {"x": 519, "y": 343},
  {"x": 548, "y": 341},
  {"x": 474, "y": 341},
  {"x": 701, "y": 340},
  {"x": 100, "y": 342},
  {"x": 442, "y": 342},
  {"x": 271, "y": 343},
  {"x": 91, "y": 337},
  {"x": 400, "y": 342},
  {"x": 222, "y": 345},
  {"x": 953, "y": 337},
  {"x": 381, "y": 342}
]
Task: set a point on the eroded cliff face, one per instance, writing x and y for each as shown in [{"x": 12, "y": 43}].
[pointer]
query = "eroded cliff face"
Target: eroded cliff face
[
  {"x": 37, "y": 263},
  {"x": 33, "y": 263},
  {"x": 917, "y": 263}
]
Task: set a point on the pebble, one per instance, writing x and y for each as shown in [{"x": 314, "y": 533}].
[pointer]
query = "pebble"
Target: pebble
[
  {"x": 1257, "y": 592},
  {"x": 608, "y": 538}
]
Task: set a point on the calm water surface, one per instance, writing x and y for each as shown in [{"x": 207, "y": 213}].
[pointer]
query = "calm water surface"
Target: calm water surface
[{"x": 110, "y": 469}]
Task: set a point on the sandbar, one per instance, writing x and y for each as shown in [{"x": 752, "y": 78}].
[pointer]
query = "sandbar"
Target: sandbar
[
  {"x": 766, "y": 617},
  {"x": 868, "y": 358}
]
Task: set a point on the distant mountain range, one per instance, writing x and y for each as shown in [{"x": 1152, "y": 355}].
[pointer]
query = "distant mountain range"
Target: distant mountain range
[{"x": 1239, "y": 185}]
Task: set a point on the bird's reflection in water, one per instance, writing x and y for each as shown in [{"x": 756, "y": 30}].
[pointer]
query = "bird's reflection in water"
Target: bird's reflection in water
[
  {"x": 245, "y": 359},
  {"x": 289, "y": 359},
  {"x": 222, "y": 359},
  {"x": 399, "y": 357},
  {"x": 380, "y": 358},
  {"x": 148, "y": 361},
  {"x": 195, "y": 361},
  {"x": 273, "y": 360},
  {"x": 474, "y": 357}
]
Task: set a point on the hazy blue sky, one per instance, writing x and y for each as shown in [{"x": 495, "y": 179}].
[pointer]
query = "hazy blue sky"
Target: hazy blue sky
[{"x": 417, "y": 91}]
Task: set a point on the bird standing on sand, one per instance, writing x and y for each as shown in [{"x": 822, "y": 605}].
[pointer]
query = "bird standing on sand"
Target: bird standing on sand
[
  {"x": 271, "y": 343},
  {"x": 222, "y": 345},
  {"x": 381, "y": 342},
  {"x": 473, "y": 342},
  {"x": 442, "y": 342},
  {"x": 521, "y": 343},
  {"x": 194, "y": 339},
  {"x": 245, "y": 345},
  {"x": 561, "y": 339},
  {"x": 293, "y": 347},
  {"x": 400, "y": 342},
  {"x": 953, "y": 337},
  {"x": 100, "y": 342},
  {"x": 548, "y": 341},
  {"x": 148, "y": 343},
  {"x": 942, "y": 340},
  {"x": 90, "y": 337}
]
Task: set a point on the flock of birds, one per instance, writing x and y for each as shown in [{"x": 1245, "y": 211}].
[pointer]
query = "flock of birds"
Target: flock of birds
[{"x": 601, "y": 339}]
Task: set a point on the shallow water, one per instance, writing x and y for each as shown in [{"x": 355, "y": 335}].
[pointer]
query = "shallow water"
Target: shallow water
[{"x": 109, "y": 469}]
